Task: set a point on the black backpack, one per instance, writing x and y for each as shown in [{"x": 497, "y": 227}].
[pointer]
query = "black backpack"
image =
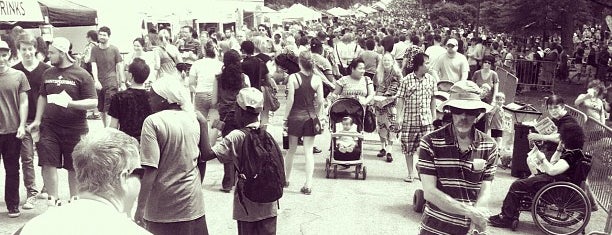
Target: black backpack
[{"x": 260, "y": 168}]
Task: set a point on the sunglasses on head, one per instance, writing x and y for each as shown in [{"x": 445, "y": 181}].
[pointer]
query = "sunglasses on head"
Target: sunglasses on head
[
  {"x": 138, "y": 173},
  {"x": 469, "y": 112}
]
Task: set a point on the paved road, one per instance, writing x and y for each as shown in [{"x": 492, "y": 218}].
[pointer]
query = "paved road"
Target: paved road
[{"x": 382, "y": 204}]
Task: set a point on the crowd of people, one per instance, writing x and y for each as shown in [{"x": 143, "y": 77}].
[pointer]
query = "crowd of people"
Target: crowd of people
[{"x": 179, "y": 102}]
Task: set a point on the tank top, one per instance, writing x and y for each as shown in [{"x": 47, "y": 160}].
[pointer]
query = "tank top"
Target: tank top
[{"x": 303, "y": 98}]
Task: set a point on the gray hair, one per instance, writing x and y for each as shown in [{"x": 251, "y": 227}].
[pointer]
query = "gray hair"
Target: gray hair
[{"x": 100, "y": 157}]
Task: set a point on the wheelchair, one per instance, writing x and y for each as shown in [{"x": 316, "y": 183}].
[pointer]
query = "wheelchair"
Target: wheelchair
[{"x": 559, "y": 208}]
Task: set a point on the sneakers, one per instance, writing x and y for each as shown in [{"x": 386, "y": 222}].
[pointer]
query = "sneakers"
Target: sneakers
[
  {"x": 306, "y": 191},
  {"x": 14, "y": 212},
  {"x": 30, "y": 203},
  {"x": 500, "y": 221},
  {"x": 42, "y": 196}
]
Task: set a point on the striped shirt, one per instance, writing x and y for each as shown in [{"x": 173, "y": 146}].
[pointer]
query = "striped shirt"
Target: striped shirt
[
  {"x": 440, "y": 156},
  {"x": 417, "y": 95}
]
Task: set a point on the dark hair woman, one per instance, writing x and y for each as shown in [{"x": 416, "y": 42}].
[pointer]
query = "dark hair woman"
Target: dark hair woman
[{"x": 230, "y": 81}]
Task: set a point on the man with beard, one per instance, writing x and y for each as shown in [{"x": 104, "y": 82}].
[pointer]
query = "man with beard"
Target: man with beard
[
  {"x": 452, "y": 66},
  {"x": 457, "y": 166},
  {"x": 65, "y": 96},
  {"x": 107, "y": 71},
  {"x": 33, "y": 70}
]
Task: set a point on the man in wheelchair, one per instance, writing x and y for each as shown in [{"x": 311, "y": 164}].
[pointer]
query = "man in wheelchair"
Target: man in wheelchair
[{"x": 569, "y": 164}]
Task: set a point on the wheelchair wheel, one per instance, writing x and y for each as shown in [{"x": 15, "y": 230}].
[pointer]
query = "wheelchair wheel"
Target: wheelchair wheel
[
  {"x": 418, "y": 201},
  {"x": 561, "y": 208}
]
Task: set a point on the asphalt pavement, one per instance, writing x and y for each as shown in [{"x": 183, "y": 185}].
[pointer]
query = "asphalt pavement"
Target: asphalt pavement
[{"x": 381, "y": 204}]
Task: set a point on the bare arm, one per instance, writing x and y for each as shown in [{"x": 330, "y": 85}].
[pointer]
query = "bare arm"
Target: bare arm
[
  {"x": 85, "y": 104},
  {"x": 484, "y": 195},
  {"x": 120, "y": 74},
  {"x": 442, "y": 200},
  {"x": 94, "y": 71},
  {"x": 114, "y": 122},
  {"x": 23, "y": 108},
  {"x": 290, "y": 95}
]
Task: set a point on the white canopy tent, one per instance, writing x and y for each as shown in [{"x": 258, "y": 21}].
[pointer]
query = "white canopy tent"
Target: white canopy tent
[
  {"x": 339, "y": 12},
  {"x": 299, "y": 11},
  {"x": 380, "y": 5},
  {"x": 367, "y": 10}
]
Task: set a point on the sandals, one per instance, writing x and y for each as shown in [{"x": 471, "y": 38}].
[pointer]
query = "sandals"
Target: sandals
[
  {"x": 306, "y": 191},
  {"x": 381, "y": 153}
]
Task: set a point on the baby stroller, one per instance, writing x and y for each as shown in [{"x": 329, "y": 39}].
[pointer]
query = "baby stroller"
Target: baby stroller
[{"x": 338, "y": 111}]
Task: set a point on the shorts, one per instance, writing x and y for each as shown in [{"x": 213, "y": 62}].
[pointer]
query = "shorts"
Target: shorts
[
  {"x": 56, "y": 145},
  {"x": 302, "y": 126},
  {"x": 203, "y": 102},
  {"x": 104, "y": 98},
  {"x": 495, "y": 133},
  {"x": 411, "y": 137}
]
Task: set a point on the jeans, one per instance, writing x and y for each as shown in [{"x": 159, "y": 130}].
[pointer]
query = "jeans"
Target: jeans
[
  {"x": 193, "y": 227},
  {"x": 520, "y": 188},
  {"x": 9, "y": 152},
  {"x": 27, "y": 164}
]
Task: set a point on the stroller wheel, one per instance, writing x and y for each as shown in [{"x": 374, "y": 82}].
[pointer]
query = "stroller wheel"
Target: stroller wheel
[
  {"x": 357, "y": 171},
  {"x": 327, "y": 168},
  {"x": 363, "y": 173},
  {"x": 335, "y": 171}
]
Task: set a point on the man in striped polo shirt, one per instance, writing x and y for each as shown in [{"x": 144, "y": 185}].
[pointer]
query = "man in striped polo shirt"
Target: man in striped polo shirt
[{"x": 456, "y": 166}]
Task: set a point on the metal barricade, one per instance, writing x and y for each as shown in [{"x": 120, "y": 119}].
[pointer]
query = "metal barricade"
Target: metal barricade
[
  {"x": 507, "y": 83},
  {"x": 539, "y": 74},
  {"x": 577, "y": 114},
  {"x": 599, "y": 145}
]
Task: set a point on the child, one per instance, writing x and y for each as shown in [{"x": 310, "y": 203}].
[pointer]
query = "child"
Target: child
[
  {"x": 346, "y": 144},
  {"x": 496, "y": 118}
]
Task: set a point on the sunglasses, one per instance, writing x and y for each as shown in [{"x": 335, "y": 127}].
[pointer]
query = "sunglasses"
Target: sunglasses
[
  {"x": 469, "y": 112},
  {"x": 450, "y": 45},
  {"x": 138, "y": 173}
]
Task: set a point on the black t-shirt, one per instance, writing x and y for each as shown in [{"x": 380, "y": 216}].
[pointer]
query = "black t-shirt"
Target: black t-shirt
[
  {"x": 256, "y": 69},
  {"x": 131, "y": 108},
  {"x": 572, "y": 158},
  {"x": 263, "y": 57},
  {"x": 79, "y": 84},
  {"x": 35, "y": 79}
]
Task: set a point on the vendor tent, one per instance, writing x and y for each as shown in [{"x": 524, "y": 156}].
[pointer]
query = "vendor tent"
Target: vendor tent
[
  {"x": 24, "y": 11},
  {"x": 367, "y": 10},
  {"x": 380, "y": 6},
  {"x": 339, "y": 12},
  {"x": 59, "y": 13},
  {"x": 299, "y": 11},
  {"x": 63, "y": 13}
]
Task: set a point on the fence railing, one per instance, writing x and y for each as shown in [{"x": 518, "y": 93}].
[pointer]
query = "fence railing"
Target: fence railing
[
  {"x": 599, "y": 145},
  {"x": 539, "y": 74}
]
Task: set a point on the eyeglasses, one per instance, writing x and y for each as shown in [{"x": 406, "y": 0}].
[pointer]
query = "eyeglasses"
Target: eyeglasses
[
  {"x": 450, "y": 45},
  {"x": 138, "y": 173},
  {"x": 469, "y": 112}
]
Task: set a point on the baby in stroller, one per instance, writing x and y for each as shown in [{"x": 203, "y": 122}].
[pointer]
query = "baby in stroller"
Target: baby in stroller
[{"x": 347, "y": 143}]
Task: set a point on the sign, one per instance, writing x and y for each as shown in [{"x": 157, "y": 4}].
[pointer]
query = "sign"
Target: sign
[{"x": 20, "y": 10}]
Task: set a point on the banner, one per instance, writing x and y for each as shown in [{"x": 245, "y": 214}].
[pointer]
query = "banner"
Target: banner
[{"x": 20, "y": 10}]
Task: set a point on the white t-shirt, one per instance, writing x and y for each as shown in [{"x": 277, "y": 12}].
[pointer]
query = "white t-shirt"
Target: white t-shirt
[
  {"x": 205, "y": 71},
  {"x": 452, "y": 69},
  {"x": 434, "y": 52},
  {"x": 82, "y": 216}
]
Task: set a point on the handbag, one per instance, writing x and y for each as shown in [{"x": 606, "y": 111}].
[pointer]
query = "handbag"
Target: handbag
[
  {"x": 369, "y": 121},
  {"x": 270, "y": 100}
]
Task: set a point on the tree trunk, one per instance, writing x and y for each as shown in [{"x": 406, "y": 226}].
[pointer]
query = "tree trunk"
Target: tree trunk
[{"x": 567, "y": 23}]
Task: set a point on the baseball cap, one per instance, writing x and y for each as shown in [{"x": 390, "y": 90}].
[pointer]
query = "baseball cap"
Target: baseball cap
[
  {"x": 4, "y": 45},
  {"x": 453, "y": 42},
  {"x": 250, "y": 97},
  {"x": 62, "y": 44}
]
